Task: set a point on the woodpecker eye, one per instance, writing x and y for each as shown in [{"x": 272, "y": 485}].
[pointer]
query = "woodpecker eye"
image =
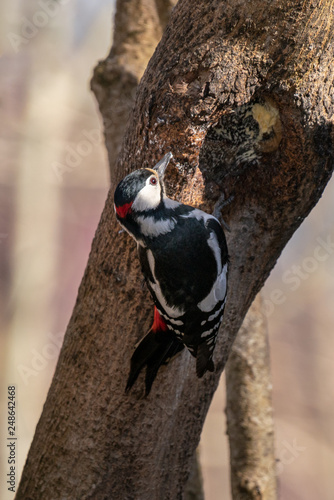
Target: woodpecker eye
[{"x": 153, "y": 181}]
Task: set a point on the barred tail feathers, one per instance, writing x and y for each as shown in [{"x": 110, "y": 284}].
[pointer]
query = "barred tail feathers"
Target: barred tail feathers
[
  {"x": 155, "y": 349},
  {"x": 204, "y": 361}
]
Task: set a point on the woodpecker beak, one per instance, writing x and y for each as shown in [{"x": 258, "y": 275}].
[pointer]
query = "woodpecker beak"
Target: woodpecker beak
[{"x": 162, "y": 165}]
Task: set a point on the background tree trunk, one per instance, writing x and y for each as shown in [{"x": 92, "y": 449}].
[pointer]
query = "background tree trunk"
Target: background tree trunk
[
  {"x": 138, "y": 28},
  {"x": 250, "y": 425},
  {"x": 265, "y": 71}
]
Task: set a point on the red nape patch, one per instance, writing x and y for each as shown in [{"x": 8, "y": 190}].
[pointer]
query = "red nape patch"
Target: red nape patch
[
  {"x": 123, "y": 210},
  {"x": 158, "y": 322}
]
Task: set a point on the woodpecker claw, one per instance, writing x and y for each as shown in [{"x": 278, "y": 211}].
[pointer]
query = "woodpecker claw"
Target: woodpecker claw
[{"x": 220, "y": 204}]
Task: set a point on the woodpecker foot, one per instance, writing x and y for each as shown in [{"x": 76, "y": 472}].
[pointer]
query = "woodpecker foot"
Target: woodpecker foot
[{"x": 217, "y": 209}]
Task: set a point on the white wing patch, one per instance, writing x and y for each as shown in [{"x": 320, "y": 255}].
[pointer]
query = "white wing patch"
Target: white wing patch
[
  {"x": 213, "y": 316},
  {"x": 213, "y": 244},
  {"x": 173, "y": 312},
  {"x": 218, "y": 291},
  {"x": 216, "y": 294},
  {"x": 206, "y": 334}
]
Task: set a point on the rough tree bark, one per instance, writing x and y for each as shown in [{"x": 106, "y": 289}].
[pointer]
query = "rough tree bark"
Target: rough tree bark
[
  {"x": 250, "y": 425},
  {"x": 264, "y": 70},
  {"x": 138, "y": 27}
]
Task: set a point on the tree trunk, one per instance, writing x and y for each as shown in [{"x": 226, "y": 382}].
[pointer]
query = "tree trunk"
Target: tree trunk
[
  {"x": 137, "y": 30},
  {"x": 124, "y": 66},
  {"x": 265, "y": 71},
  {"x": 250, "y": 425}
]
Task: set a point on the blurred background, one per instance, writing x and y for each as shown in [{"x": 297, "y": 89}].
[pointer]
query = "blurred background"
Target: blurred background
[{"x": 53, "y": 185}]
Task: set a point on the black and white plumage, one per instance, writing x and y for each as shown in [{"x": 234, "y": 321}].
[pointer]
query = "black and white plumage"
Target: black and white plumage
[{"x": 183, "y": 256}]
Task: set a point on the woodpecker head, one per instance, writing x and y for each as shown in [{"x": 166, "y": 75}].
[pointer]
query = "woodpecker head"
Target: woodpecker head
[{"x": 142, "y": 190}]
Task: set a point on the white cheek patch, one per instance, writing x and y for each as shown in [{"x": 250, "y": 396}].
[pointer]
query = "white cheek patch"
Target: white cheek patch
[{"x": 148, "y": 197}]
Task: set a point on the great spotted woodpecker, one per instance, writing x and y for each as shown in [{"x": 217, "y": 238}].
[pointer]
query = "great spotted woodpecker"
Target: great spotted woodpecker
[{"x": 183, "y": 256}]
